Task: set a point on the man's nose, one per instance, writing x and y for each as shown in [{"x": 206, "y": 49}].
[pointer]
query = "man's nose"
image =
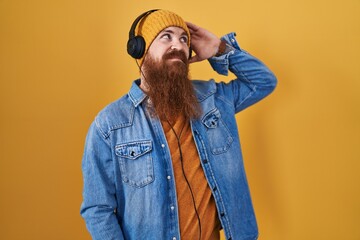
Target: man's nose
[
  {"x": 180, "y": 46},
  {"x": 177, "y": 44}
]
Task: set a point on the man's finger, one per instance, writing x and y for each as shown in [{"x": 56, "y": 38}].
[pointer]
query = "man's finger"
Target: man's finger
[
  {"x": 195, "y": 58},
  {"x": 192, "y": 26}
]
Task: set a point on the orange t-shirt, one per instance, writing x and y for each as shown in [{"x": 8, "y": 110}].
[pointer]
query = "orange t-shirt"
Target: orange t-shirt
[{"x": 204, "y": 201}]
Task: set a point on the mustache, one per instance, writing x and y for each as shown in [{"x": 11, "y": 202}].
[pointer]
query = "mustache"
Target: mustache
[{"x": 176, "y": 54}]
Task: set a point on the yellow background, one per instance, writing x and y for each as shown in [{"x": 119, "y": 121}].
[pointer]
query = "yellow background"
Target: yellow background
[{"x": 62, "y": 61}]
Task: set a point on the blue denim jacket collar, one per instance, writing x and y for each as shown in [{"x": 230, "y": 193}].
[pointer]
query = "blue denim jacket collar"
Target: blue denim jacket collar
[{"x": 136, "y": 95}]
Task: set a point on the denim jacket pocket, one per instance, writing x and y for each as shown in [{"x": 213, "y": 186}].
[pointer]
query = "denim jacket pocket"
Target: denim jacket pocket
[
  {"x": 219, "y": 136},
  {"x": 136, "y": 165}
]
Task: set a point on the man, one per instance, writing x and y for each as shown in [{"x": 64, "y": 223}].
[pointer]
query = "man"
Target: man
[{"x": 164, "y": 161}]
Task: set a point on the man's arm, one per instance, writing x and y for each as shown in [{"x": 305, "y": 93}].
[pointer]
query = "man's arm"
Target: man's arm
[
  {"x": 253, "y": 80},
  {"x": 99, "y": 202}
]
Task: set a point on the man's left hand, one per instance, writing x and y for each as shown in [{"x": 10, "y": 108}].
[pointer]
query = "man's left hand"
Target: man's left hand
[{"x": 204, "y": 43}]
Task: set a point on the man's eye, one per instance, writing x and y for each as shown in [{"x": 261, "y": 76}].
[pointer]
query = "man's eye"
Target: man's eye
[
  {"x": 184, "y": 39},
  {"x": 166, "y": 36}
]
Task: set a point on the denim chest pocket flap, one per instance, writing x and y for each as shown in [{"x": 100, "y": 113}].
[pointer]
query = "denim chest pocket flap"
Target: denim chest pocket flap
[
  {"x": 211, "y": 120},
  {"x": 219, "y": 136},
  {"x": 135, "y": 161},
  {"x": 133, "y": 150}
]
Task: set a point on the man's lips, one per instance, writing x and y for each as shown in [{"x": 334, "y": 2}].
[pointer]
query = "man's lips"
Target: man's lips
[{"x": 175, "y": 59}]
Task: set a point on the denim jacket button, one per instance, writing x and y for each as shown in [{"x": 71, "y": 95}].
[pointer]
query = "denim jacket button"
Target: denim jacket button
[
  {"x": 162, "y": 145},
  {"x": 168, "y": 177}
]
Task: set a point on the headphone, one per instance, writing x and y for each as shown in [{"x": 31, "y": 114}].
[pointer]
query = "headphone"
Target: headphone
[{"x": 136, "y": 44}]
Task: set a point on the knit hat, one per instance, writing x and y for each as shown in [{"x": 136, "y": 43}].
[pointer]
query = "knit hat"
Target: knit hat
[{"x": 152, "y": 24}]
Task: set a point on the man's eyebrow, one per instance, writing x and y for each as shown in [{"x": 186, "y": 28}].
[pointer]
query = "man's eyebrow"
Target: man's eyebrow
[{"x": 171, "y": 31}]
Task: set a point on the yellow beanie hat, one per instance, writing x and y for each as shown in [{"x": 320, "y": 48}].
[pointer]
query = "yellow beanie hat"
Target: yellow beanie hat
[{"x": 152, "y": 24}]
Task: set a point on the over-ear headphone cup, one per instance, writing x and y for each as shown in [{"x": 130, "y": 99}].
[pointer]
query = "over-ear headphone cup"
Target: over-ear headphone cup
[{"x": 136, "y": 47}]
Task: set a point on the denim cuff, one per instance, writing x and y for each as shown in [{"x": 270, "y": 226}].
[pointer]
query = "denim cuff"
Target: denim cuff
[{"x": 221, "y": 63}]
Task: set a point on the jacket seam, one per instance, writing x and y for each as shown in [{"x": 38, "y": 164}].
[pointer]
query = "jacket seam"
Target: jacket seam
[
  {"x": 224, "y": 100},
  {"x": 97, "y": 124}
]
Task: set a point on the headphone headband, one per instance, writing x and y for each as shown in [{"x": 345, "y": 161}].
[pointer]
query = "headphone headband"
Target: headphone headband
[
  {"x": 136, "y": 44},
  {"x": 137, "y": 20}
]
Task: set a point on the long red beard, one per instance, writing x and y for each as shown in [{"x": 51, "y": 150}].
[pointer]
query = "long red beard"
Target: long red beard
[{"x": 169, "y": 88}]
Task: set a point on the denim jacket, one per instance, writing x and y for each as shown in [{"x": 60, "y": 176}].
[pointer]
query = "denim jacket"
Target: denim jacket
[{"x": 129, "y": 189}]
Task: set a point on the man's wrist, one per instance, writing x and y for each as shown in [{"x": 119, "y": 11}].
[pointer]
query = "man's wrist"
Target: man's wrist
[
  {"x": 224, "y": 48},
  {"x": 221, "y": 48}
]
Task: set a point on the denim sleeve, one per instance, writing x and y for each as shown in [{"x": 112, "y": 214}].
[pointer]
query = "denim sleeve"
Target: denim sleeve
[
  {"x": 253, "y": 82},
  {"x": 99, "y": 201}
]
